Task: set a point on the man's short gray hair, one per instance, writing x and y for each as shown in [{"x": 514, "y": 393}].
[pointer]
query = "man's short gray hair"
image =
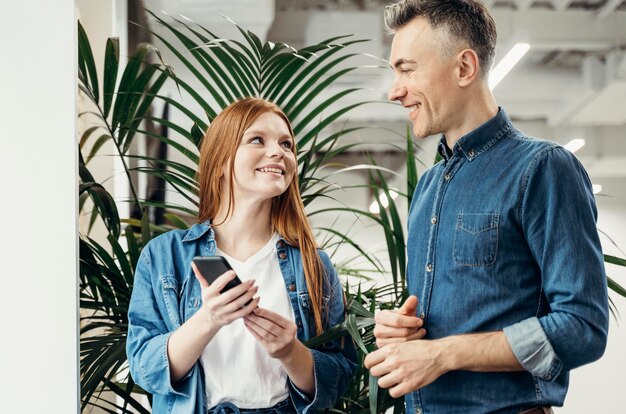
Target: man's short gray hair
[{"x": 466, "y": 21}]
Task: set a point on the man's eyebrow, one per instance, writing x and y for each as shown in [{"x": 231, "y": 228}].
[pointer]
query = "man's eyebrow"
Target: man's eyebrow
[{"x": 400, "y": 62}]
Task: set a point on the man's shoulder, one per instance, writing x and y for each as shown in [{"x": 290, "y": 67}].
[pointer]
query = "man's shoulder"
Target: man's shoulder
[
  {"x": 531, "y": 150},
  {"x": 531, "y": 143}
]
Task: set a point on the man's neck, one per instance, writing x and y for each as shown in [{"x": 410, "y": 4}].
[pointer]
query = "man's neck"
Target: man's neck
[{"x": 480, "y": 109}]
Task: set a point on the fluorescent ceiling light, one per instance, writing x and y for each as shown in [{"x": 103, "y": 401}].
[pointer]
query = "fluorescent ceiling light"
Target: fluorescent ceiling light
[
  {"x": 597, "y": 188},
  {"x": 375, "y": 208},
  {"x": 506, "y": 64},
  {"x": 574, "y": 145}
]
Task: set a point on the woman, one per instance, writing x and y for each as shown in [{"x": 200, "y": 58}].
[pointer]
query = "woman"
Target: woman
[{"x": 200, "y": 351}]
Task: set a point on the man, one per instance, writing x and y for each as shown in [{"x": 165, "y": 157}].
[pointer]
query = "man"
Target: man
[{"x": 505, "y": 266}]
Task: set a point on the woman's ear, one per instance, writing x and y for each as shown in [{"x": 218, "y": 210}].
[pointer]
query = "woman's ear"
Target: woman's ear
[
  {"x": 468, "y": 67},
  {"x": 225, "y": 171}
]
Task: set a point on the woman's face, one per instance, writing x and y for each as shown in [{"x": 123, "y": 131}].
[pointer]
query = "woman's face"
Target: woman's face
[{"x": 264, "y": 164}]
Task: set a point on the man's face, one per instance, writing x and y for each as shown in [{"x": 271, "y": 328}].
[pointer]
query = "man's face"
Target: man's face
[{"x": 425, "y": 77}]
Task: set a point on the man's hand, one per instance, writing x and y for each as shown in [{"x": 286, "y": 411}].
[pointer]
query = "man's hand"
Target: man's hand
[
  {"x": 406, "y": 367},
  {"x": 394, "y": 326}
]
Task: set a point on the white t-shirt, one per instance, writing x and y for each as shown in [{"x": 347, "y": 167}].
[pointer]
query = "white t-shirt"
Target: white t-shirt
[{"x": 236, "y": 366}]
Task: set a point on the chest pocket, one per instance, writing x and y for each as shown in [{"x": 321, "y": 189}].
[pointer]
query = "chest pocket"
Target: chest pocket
[
  {"x": 476, "y": 239},
  {"x": 171, "y": 289}
]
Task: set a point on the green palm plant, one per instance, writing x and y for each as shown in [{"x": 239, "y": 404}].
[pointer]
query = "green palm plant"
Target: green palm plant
[
  {"x": 294, "y": 79},
  {"x": 298, "y": 81}
]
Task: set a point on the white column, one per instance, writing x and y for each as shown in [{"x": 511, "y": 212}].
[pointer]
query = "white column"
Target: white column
[{"x": 38, "y": 180}]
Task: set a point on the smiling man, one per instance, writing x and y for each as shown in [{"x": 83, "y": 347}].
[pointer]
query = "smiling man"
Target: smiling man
[{"x": 505, "y": 268}]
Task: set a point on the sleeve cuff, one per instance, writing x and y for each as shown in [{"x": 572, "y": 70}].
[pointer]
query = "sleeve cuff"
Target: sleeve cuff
[
  {"x": 179, "y": 387},
  {"x": 533, "y": 350}
]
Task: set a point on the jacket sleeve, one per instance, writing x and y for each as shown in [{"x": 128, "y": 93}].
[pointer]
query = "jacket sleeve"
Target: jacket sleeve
[
  {"x": 148, "y": 332},
  {"x": 558, "y": 214},
  {"x": 334, "y": 363}
]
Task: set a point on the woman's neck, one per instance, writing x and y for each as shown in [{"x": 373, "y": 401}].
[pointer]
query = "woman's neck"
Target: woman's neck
[{"x": 246, "y": 231}]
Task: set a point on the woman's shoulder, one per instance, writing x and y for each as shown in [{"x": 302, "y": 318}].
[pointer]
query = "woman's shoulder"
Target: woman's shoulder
[
  {"x": 167, "y": 239},
  {"x": 178, "y": 236},
  {"x": 325, "y": 257}
]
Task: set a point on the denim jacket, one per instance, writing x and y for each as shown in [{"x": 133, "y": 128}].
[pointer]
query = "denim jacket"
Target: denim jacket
[
  {"x": 166, "y": 294},
  {"x": 502, "y": 236}
]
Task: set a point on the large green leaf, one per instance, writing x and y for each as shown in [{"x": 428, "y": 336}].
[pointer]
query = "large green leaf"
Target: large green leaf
[
  {"x": 86, "y": 64},
  {"x": 111, "y": 65}
]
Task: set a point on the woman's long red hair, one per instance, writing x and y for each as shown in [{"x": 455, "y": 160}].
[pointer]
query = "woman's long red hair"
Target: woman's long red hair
[{"x": 287, "y": 214}]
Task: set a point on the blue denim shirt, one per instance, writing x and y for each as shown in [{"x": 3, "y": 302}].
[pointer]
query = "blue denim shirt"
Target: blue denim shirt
[
  {"x": 166, "y": 294},
  {"x": 502, "y": 236}
]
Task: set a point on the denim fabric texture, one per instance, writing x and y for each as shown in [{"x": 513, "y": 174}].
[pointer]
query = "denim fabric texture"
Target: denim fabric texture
[
  {"x": 502, "y": 236},
  {"x": 166, "y": 294}
]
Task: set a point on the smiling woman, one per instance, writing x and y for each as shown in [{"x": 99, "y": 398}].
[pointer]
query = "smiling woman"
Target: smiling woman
[
  {"x": 197, "y": 347},
  {"x": 265, "y": 164}
]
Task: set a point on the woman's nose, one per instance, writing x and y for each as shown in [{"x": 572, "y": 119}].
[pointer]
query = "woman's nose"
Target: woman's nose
[{"x": 275, "y": 150}]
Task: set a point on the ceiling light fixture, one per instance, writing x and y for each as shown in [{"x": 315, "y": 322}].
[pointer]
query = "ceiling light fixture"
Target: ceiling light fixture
[
  {"x": 375, "y": 208},
  {"x": 574, "y": 145},
  {"x": 506, "y": 64}
]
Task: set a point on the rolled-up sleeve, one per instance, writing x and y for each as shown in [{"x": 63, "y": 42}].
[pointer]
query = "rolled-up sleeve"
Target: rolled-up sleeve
[
  {"x": 532, "y": 348},
  {"x": 148, "y": 334},
  {"x": 558, "y": 215}
]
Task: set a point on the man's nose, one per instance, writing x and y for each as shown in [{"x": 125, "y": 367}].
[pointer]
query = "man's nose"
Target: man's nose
[{"x": 396, "y": 91}]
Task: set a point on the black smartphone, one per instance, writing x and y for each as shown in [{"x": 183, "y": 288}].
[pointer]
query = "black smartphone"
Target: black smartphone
[{"x": 211, "y": 267}]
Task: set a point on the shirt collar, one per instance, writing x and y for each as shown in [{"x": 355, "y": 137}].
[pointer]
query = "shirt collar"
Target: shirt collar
[
  {"x": 200, "y": 229},
  {"x": 475, "y": 142}
]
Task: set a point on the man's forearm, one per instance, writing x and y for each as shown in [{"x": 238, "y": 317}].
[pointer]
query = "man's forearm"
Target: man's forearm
[{"x": 483, "y": 352}]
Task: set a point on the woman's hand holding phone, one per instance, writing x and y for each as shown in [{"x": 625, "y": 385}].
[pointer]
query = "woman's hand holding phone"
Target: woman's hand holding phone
[{"x": 223, "y": 308}]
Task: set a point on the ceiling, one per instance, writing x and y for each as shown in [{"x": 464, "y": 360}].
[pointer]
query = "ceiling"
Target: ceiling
[{"x": 571, "y": 84}]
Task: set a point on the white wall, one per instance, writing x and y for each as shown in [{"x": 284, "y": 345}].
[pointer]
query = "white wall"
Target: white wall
[{"x": 38, "y": 299}]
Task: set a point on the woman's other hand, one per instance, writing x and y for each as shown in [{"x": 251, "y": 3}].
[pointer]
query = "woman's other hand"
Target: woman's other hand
[
  {"x": 278, "y": 336},
  {"x": 276, "y": 333}
]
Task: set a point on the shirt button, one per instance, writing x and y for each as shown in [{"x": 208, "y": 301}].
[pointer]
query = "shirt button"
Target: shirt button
[
  {"x": 418, "y": 410},
  {"x": 471, "y": 153},
  {"x": 292, "y": 287},
  {"x": 281, "y": 243},
  {"x": 282, "y": 255},
  {"x": 422, "y": 315},
  {"x": 447, "y": 176},
  {"x": 429, "y": 267},
  {"x": 433, "y": 220}
]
